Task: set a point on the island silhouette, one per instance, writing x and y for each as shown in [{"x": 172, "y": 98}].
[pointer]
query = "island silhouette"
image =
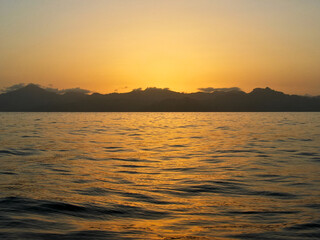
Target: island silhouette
[{"x": 33, "y": 98}]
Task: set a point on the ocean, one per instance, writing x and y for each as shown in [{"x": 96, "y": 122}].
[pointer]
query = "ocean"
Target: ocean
[{"x": 159, "y": 176}]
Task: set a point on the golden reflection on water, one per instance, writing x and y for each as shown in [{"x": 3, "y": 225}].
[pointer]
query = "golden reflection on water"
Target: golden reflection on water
[{"x": 201, "y": 175}]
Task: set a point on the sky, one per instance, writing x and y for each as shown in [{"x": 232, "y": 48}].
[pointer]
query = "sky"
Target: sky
[{"x": 119, "y": 45}]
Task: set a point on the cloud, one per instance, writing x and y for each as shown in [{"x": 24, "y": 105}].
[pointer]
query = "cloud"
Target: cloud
[
  {"x": 55, "y": 90},
  {"x": 149, "y": 89},
  {"x": 211, "y": 89},
  {"x": 68, "y": 90},
  {"x": 13, "y": 87},
  {"x": 50, "y": 89},
  {"x": 137, "y": 90},
  {"x": 75, "y": 90}
]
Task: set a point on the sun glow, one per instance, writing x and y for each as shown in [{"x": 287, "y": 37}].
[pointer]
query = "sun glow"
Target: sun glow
[{"x": 183, "y": 45}]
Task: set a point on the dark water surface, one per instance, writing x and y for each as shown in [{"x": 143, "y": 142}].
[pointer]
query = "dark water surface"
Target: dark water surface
[{"x": 159, "y": 176}]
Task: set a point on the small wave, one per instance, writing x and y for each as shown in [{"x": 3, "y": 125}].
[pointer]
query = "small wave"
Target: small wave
[
  {"x": 94, "y": 191},
  {"x": 239, "y": 151},
  {"x": 33, "y": 224},
  {"x": 28, "y": 136},
  {"x": 18, "y": 152},
  {"x": 308, "y": 154},
  {"x": 133, "y": 160},
  {"x": 178, "y": 146},
  {"x": 45, "y": 208},
  {"x": 228, "y": 188},
  {"x": 306, "y": 231},
  {"x": 129, "y": 172},
  {"x": 180, "y": 169},
  {"x": 143, "y": 198},
  {"x": 307, "y": 226},
  {"x": 8, "y": 173},
  {"x": 261, "y": 213},
  {"x": 316, "y": 159},
  {"x": 79, "y": 235},
  {"x": 131, "y": 166}
]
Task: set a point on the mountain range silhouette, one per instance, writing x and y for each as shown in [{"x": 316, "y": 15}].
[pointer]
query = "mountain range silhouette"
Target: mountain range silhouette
[{"x": 32, "y": 98}]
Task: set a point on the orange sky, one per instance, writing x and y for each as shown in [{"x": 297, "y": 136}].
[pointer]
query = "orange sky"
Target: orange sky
[{"x": 181, "y": 44}]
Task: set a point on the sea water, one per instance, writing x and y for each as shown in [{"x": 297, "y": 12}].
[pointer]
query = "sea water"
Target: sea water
[{"x": 159, "y": 176}]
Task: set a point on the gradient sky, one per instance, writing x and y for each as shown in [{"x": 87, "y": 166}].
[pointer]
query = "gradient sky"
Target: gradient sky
[{"x": 103, "y": 45}]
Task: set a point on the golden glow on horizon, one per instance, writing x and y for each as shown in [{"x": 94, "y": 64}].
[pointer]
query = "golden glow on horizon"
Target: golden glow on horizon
[{"x": 183, "y": 45}]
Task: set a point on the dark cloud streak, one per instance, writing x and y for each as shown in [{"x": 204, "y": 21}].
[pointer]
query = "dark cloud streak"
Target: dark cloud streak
[
  {"x": 55, "y": 90},
  {"x": 13, "y": 87},
  {"x": 68, "y": 90},
  {"x": 211, "y": 89}
]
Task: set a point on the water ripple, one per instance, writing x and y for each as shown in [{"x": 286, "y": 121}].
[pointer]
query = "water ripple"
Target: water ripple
[{"x": 159, "y": 176}]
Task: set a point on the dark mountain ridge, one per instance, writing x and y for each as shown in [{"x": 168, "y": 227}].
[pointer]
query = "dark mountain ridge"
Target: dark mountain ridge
[{"x": 34, "y": 98}]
